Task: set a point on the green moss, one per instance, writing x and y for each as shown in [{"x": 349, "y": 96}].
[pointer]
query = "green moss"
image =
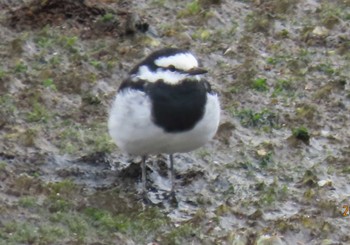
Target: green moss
[
  {"x": 301, "y": 133},
  {"x": 260, "y": 84}
]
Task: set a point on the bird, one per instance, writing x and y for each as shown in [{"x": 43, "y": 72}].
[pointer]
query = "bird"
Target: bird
[{"x": 164, "y": 106}]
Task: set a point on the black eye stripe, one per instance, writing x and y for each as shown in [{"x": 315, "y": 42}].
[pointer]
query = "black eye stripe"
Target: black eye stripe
[{"x": 173, "y": 68}]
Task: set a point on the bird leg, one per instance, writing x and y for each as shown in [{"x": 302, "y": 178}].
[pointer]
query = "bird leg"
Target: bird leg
[
  {"x": 143, "y": 165},
  {"x": 171, "y": 159}
]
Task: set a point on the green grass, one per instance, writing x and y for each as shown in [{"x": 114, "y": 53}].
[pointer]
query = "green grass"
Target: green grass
[
  {"x": 283, "y": 87},
  {"x": 272, "y": 193},
  {"x": 107, "y": 17},
  {"x": 180, "y": 235},
  {"x": 20, "y": 67},
  {"x": 260, "y": 84},
  {"x": 257, "y": 22},
  {"x": 93, "y": 138},
  {"x": 138, "y": 225},
  {"x": 305, "y": 112},
  {"x": 249, "y": 118},
  {"x": 192, "y": 9},
  {"x": 66, "y": 188},
  {"x": 3, "y": 165},
  {"x": 49, "y": 83},
  {"x": 8, "y": 108},
  {"x": 27, "y": 201},
  {"x": 202, "y": 34},
  {"x": 39, "y": 113},
  {"x": 260, "y": 49},
  {"x": 2, "y": 73},
  {"x": 62, "y": 218},
  {"x": 266, "y": 160}
]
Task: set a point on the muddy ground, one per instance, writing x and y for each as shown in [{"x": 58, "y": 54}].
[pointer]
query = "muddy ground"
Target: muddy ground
[{"x": 276, "y": 173}]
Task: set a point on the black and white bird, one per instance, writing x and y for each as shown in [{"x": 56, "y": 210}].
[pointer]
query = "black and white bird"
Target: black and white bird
[{"x": 164, "y": 106}]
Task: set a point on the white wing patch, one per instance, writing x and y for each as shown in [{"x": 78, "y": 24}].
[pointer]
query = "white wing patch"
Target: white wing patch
[{"x": 182, "y": 61}]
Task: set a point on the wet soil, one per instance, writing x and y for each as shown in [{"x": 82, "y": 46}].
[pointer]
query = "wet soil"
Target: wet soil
[{"x": 277, "y": 171}]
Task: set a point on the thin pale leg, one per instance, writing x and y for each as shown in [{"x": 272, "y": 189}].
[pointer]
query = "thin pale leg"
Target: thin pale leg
[
  {"x": 143, "y": 165},
  {"x": 171, "y": 159}
]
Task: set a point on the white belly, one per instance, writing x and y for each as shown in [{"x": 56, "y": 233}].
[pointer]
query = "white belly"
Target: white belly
[{"x": 131, "y": 127}]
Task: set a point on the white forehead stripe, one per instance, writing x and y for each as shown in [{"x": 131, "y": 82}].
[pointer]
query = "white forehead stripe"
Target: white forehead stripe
[{"x": 182, "y": 61}]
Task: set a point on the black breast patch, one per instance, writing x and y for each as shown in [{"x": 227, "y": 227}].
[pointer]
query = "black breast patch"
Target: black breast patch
[
  {"x": 175, "y": 108},
  {"x": 178, "y": 108}
]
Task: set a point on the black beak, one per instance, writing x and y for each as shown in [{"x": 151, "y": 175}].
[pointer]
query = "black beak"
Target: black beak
[{"x": 197, "y": 71}]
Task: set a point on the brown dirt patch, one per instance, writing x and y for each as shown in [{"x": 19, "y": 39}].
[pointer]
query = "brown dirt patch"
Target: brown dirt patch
[{"x": 88, "y": 18}]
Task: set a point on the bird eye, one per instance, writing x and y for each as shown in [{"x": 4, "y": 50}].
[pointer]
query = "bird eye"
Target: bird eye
[{"x": 171, "y": 68}]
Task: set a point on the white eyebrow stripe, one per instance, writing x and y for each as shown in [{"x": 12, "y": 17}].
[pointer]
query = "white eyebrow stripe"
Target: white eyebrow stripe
[{"x": 182, "y": 61}]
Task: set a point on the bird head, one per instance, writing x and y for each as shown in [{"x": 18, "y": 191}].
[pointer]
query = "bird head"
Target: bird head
[{"x": 170, "y": 65}]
